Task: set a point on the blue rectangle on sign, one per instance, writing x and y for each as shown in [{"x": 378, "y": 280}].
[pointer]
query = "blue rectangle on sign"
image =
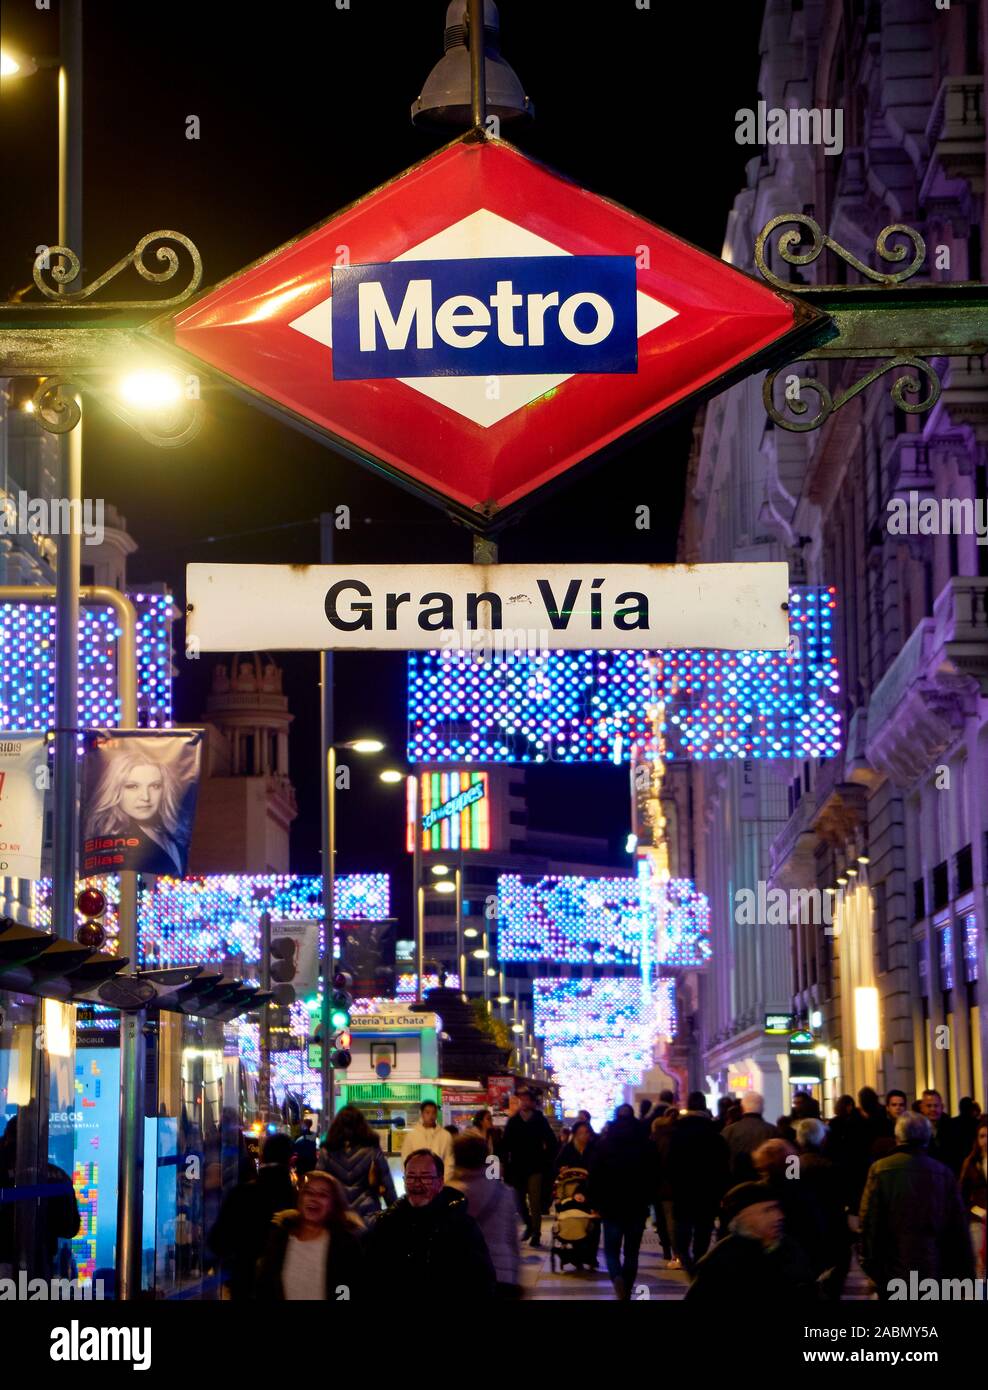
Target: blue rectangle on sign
[{"x": 510, "y": 316}]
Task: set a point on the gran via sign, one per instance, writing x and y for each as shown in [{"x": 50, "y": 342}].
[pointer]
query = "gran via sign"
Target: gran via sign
[{"x": 532, "y": 607}]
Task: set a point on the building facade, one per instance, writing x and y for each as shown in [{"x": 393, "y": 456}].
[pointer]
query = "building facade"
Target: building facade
[{"x": 884, "y": 849}]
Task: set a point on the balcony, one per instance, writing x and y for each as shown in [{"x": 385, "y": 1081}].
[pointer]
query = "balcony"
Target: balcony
[
  {"x": 791, "y": 852},
  {"x": 919, "y": 706},
  {"x": 955, "y": 135},
  {"x": 960, "y": 639}
]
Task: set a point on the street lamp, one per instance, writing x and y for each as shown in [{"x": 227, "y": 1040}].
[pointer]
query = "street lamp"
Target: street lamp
[
  {"x": 150, "y": 390},
  {"x": 356, "y": 745},
  {"x": 391, "y": 774}
]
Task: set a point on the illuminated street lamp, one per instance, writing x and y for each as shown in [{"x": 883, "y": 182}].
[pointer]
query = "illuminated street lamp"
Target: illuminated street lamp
[{"x": 391, "y": 774}]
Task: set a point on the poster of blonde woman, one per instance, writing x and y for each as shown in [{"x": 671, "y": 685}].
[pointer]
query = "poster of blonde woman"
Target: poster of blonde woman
[{"x": 138, "y": 802}]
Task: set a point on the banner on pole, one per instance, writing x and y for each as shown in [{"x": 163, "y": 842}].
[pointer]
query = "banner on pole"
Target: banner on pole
[
  {"x": 139, "y": 792},
  {"x": 23, "y": 778}
]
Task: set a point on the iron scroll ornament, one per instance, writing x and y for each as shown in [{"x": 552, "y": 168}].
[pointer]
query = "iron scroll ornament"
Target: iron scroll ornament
[
  {"x": 57, "y": 410},
  {"x": 915, "y": 377},
  {"x": 905, "y": 383},
  {"x": 790, "y": 240},
  {"x": 67, "y": 268}
]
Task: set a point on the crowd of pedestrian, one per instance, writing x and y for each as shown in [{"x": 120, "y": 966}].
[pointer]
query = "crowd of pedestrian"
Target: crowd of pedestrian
[{"x": 743, "y": 1206}]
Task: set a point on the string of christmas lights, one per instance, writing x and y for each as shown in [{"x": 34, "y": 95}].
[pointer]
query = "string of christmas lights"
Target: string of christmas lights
[{"x": 590, "y": 706}]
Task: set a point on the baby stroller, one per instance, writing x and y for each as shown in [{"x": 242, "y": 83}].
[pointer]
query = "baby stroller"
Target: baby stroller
[{"x": 576, "y": 1228}]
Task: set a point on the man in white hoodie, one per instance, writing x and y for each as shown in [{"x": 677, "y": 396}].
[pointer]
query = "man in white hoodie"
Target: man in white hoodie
[{"x": 428, "y": 1134}]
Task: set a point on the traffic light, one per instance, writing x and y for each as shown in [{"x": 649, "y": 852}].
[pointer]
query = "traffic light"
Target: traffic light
[
  {"x": 91, "y": 904},
  {"x": 341, "y": 1057},
  {"x": 282, "y": 966},
  {"x": 340, "y": 1002}
]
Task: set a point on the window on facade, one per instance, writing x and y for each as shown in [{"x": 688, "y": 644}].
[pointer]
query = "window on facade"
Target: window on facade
[
  {"x": 941, "y": 886},
  {"x": 919, "y": 900},
  {"x": 945, "y": 954},
  {"x": 969, "y": 927},
  {"x": 964, "y": 870}
]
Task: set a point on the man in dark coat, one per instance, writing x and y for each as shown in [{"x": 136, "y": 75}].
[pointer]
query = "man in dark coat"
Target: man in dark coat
[
  {"x": 696, "y": 1161},
  {"x": 529, "y": 1149},
  {"x": 912, "y": 1217},
  {"x": 240, "y": 1234},
  {"x": 756, "y": 1263},
  {"x": 428, "y": 1246},
  {"x": 744, "y": 1136},
  {"x": 621, "y": 1183},
  {"x": 944, "y": 1138}
]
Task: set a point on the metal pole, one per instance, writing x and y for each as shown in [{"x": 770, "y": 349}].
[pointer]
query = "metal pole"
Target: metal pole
[
  {"x": 478, "y": 69},
  {"x": 417, "y": 924},
  {"x": 327, "y": 762},
  {"x": 459, "y": 924},
  {"x": 68, "y": 545},
  {"x": 264, "y": 1029},
  {"x": 133, "y": 1056}
]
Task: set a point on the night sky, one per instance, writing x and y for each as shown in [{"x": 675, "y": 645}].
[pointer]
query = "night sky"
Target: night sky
[{"x": 304, "y": 108}]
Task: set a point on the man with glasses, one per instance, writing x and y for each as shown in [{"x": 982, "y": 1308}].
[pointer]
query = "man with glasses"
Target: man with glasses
[{"x": 428, "y": 1241}]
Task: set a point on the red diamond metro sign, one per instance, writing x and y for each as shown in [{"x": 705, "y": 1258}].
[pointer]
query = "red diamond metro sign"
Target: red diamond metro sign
[{"x": 480, "y": 325}]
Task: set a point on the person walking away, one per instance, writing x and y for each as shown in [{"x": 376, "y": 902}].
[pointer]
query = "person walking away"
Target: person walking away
[
  {"x": 306, "y": 1150},
  {"x": 745, "y": 1135},
  {"x": 848, "y": 1146},
  {"x": 622, "y": 1179},
  {"x": 756, "y": 1263},
  {"x": 530, "y": 1147},
  {"x": 912, "y": 1217},
  {"x": 662, "y": 1198},
  {"x": 974, "y": 1193},
  {"x": 241, "y": 1230},
  {"x": 314, "y": 1252},
  {"x": 492, "y": 1205},
  {"x": 429, "y": 1134},
  {"x": 697, "y": 1163},
  {"x": 824, "y": 1183},
  {"x": 351, "y": 1153},
  {"x": 428, "y": 1246}
]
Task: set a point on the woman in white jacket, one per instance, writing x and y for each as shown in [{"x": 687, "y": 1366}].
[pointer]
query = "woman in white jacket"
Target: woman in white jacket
[{"x": 492, "y": 1205}]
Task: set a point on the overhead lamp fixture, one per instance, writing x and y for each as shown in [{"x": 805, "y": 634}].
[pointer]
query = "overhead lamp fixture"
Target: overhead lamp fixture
[{"x": 445, "y": 100}]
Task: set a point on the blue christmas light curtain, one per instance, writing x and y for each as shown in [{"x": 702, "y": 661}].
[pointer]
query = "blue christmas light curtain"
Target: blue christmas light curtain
[
  {"x": 27, "y": 664},
  {"x": 625, "y": 921},
  {"x": 593, "y": 706}
]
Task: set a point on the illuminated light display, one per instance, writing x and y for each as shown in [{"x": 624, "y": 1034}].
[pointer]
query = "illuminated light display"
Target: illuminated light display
[
  {"x": 602, "y": 921},
  {"x": 453, "y": 812},
  {"x": 209, "y": 918},
  {"x": 598, "y": 1036},
  {"x": 27, "y": 664},
  {"x": 590, "y": 706}
]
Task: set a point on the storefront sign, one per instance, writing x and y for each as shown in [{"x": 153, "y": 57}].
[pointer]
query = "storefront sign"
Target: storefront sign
[
  {"x": 23, "y": 778},
  {"x": 472, "y": 607},
  {"x": 778, "y": 1023},
  {"x": 804, "y": 1064},
  {"x": 394, "y": 1023},
  {"x": 452, "y": 811}
]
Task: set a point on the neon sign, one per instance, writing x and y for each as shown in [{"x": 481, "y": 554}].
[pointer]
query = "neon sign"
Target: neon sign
[{"x": 453, "y": 811}]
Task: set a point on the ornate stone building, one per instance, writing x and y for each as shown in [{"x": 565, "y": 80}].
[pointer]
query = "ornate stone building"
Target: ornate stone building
[
  {"x": 896, "y": 985},
  {"x": 246, "y": 799}
]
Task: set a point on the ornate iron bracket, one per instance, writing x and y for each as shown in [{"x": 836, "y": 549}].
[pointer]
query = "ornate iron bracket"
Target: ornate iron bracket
[
  {"x": 74, "y": 340},
  {"x": 57, "y": 410},
  {"x": 886, "y": 318},
  {"x": 68, "y": 268}
]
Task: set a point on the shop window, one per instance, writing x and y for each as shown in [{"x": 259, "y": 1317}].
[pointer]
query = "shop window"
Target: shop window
[
  {"x": 922, "y": 968},
  {"x": 945, "y": 953},
  {"x": 970, "y": 947}
]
